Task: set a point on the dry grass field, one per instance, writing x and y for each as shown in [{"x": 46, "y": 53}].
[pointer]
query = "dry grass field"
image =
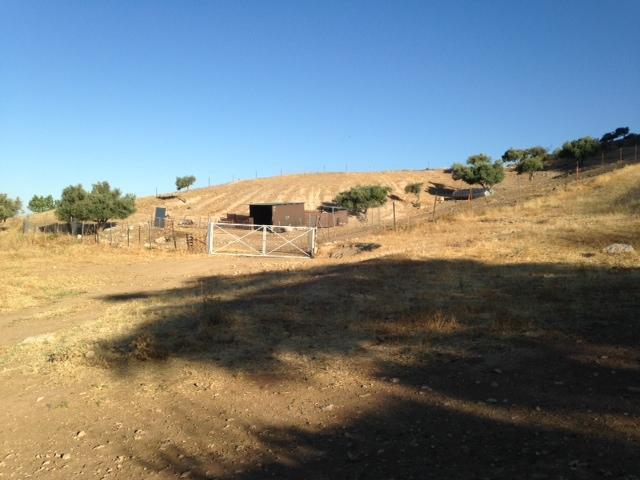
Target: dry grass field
[
  {"x": 313, "y": 189},
  {"x": 500, "y": 342}
]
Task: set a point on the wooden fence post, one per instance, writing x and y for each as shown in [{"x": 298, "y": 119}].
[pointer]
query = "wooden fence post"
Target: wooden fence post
[
  {"x": 435, "y": 202},
  {"x": 394, "y": 215},
  {"x": 173, "y": 234}
]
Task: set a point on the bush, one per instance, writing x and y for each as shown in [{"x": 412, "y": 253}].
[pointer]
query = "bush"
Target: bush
[
  {"x": 414, "y": 189},
  {"x": 359, "y": 199}
]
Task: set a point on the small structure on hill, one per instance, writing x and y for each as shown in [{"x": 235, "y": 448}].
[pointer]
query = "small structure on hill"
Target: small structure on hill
[
  {"x": 327, "y": 216},
  {"x": 159, "y": 217},
  {"x": 278, "y": 213}
]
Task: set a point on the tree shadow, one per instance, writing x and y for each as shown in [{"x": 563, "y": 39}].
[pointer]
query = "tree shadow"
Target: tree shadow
[
  {"x": 517, "y": 370},
  {"x": 411, "y": 439}
]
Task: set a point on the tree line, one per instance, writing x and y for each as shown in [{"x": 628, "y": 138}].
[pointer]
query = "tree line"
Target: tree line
[
  {"x": 103, "y": 203},
  {"x": 100, "y": 204},
  {"x": 482, "y": 170}
]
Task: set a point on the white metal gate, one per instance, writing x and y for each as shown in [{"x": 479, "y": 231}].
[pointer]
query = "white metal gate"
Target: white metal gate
[{"x": 261, "y": 240}]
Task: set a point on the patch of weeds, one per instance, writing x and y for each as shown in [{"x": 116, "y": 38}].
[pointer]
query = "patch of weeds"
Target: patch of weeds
[{"x": 61, "y": 404}]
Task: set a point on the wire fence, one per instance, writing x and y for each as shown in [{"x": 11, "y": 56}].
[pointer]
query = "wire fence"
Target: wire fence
[
  {"x": 189, "y": 233},
  {"x": 172, "y": 235},
  {"x": 519, "y": 188}
]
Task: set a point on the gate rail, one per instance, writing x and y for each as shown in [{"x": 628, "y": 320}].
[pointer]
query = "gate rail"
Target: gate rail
[{"x": 241, "y": 239}]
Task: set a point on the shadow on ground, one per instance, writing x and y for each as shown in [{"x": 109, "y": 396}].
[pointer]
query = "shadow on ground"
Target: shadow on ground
[{"x": 518, "y": 370}]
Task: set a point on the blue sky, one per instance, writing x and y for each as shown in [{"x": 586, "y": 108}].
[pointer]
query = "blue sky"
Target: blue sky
[{"x": 138, "y": 92}]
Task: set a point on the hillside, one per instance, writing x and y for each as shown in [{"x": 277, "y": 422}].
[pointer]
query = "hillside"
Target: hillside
[
  {"x": 313, "y": 189},
  {"x": 502, "y": 331}
]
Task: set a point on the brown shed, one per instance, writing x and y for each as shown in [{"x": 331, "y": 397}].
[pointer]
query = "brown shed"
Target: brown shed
[{"x": 278, "y": 213}]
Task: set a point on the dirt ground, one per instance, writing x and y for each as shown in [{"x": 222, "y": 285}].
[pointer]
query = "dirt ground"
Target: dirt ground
[{"x": 499, "y": 345}]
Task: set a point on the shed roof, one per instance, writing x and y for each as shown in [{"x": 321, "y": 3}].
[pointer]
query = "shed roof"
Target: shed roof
[{"x": 277, "y": 203}]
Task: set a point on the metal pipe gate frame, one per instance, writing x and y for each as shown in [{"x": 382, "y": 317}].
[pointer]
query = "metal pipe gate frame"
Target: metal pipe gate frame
[{"x": 264, "y": 250}]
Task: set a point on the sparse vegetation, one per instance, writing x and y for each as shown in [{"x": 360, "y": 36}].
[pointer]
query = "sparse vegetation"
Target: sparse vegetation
[
  {"x": 185, "y": 182},
  {"x": 9, "y": 207},
  {"x": 415, "y": 188}
]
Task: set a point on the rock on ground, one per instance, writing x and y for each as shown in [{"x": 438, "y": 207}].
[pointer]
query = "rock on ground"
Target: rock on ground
[{"x": 616, "y": 248}]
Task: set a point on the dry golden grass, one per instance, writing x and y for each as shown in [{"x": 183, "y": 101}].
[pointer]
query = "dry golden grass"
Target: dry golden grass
[
  {"x": 313, "y": 189},
  {"x": 502, "y": 331},
  {"x": 567, "y": 227},
  {"x": 39, "y": 268}
]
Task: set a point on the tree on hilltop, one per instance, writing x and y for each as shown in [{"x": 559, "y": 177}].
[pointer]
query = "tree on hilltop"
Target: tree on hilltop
[
  {"x": 619, "y": 132},
  {"x": 579, "y": 149},
  {"x": 479, "y": 170},
  {"x": 528, "y": 160},
  {"x": 185, "y": 182}
]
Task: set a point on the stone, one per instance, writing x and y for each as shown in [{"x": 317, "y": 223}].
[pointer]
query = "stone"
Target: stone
[
  {"x": 618, "y": 248},
  {"x": 44, "y": 338}
]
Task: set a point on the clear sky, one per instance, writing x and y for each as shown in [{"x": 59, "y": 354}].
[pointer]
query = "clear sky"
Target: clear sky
[{"x": 137, "y": 92}]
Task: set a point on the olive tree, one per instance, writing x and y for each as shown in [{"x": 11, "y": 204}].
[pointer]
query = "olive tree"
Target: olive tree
[
  {"x": 361, "y": 198},
  {"x": 579, "y": 149},
  {"x": 479, "y": 170},
  {"x": 100, "y": 205},
  {"x": 9, "y": 207},
  {"x": 39, "y": 204},
  {"x": 528, "y": 160},
  {"x": 185, "y": 182}
]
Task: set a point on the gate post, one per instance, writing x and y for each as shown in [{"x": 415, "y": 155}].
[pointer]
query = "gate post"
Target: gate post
[
  {"x": 264, "y": 240},
  {"x": 210, "y": 238},
  {"x": 312, "y": 240}
]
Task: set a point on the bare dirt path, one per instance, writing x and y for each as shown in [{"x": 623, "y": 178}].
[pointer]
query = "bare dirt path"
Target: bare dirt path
[{"x": 37, "y": 323}]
